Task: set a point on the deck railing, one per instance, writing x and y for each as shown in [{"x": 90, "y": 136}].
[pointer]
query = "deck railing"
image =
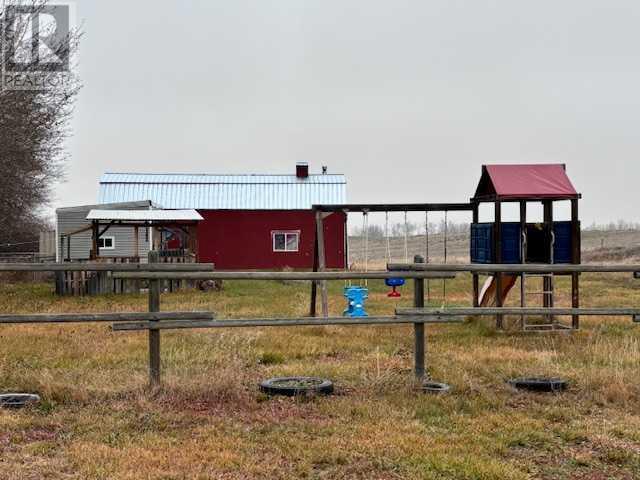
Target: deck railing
[{"x": 81, "y": 282}]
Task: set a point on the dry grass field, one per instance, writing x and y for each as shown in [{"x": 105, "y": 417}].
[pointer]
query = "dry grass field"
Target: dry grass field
[{"x": 97, "y": 419}]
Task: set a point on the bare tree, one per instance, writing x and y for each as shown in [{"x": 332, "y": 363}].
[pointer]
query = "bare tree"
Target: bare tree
[
  {"x": 375, "y": 232},
  {"x": 400, "y": 229},
  {"x": 34, "y": 124}
]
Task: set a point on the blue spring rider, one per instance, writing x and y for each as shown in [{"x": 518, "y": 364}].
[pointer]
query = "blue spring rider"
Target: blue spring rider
[
  {"x": 356, "y": 297},
  {"x": 394, "y": 283}
]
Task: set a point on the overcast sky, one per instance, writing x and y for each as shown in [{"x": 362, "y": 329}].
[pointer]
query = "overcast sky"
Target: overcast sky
[{"x": 407, "y": 98}]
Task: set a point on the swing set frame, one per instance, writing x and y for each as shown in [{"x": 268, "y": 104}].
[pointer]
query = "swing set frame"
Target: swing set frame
[{"x": 323, "y": 211}]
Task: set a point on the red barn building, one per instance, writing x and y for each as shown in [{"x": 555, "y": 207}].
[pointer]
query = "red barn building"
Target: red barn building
[{"x": 250, "y": 221}]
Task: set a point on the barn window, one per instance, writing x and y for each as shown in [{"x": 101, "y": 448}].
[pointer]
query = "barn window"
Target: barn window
[
  {"x": 288, "y": 241},
  {"x": 107, "y": 243}
]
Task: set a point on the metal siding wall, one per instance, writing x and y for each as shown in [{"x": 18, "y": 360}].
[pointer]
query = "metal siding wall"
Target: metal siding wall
[
  {"x": 80, "y": 243},
  {"x": 242, "y": 239},
  {"x": 125, "y": 242},
  {"x": 71, "y": 220}
]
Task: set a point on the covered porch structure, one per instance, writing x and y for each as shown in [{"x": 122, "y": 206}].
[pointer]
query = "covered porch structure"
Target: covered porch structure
[
  {"x": 172, "y": 233},
  {"x": 159, "y": 236}
]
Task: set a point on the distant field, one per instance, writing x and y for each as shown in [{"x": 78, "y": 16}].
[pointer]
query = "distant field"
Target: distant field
[
  {"x": 597, "y": 246},
  {"x": 98, "y": 421}
]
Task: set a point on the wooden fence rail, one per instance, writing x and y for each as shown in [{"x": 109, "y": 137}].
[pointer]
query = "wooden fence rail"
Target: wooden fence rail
[
  {"x": 105, "y": 267},
  {"x": 103, "y": 317},
  {"x": 312, "y": 276},
  {"x": 526, "y": 311},
  {"x": 513, "y": 268},
  {"x": 281, "y": 322}
]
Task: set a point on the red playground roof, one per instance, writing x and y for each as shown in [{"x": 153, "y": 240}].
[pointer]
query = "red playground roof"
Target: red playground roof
[{"x": 525, "y": 182}]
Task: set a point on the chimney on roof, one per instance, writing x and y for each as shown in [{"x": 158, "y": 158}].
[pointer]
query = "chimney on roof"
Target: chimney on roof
[
  {"x": 324, "y": 169},
  {"x": 302, "y": 169}
]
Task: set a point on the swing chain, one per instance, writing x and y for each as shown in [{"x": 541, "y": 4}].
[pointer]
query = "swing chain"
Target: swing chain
[
  {"x": 386, "y": 234},
  {"x": 365, "y": 227},
  {"x": 426, "y": 250},
  {"x": 444, "y": 281},
  {"x": 406, "y": 238}
]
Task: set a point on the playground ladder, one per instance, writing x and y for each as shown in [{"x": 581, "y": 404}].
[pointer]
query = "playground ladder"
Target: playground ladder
[
  {"x": 547, "y": 295},
  {"x": 547, "y": 292}
]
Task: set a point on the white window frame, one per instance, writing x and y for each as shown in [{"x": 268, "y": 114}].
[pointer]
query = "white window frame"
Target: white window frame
[
  {"x": 286, "y": 233},
  {"x": 113, "y": 243}
]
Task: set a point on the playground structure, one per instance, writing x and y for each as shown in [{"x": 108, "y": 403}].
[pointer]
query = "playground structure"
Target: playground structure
[
  {"x": 549, "y": 242},
  {"x": 494, "y": 242}
]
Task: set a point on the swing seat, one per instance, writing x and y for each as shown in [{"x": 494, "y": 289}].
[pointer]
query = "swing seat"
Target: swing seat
[
  {"x": 356, "y": 297},
  {"x": 394, "y": 282}
]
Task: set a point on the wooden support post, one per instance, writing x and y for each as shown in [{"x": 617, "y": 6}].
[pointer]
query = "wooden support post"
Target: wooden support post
[
  {"x": 497, "y": 243},
  {"x": 322, "y": 262},
  {"x": 95, "y": 238},
  {"x": 193, "y": 248},
  {"x": 523, "y": 256},
  {"x": 136, "y": 255},
  {"x": 475, "y": 277},
  {"x": 418, "y": 328},
  {"x": 154, "y": 335},
  {"x": 576, "y": 259},
  {"x": 547, "y": 281},
  {"x": 523, "y": 228},
  {"x": 314, "y": 295},
  {"x": 345, "y": 240},
  {"x": 136, "y": 243},
  {"x": 314, "y": 284},
  {"x": 575, "y": 299}
]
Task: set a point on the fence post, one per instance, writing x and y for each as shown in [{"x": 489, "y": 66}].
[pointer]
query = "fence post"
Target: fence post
[
  {"x": 418, "y": 328},
  {"x": 154, "y": 335}
]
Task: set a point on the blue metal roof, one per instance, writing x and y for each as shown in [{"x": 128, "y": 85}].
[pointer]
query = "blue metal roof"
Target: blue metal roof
[{"x": 224, "y": 192}]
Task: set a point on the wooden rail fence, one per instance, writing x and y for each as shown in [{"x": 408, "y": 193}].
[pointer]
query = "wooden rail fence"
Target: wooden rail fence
[
  {"x": 311, "y": 276},
  {"x": 98, "y": 282},
  {"x": 154, "y": 320},
  {"x": 105, "y": 267}
]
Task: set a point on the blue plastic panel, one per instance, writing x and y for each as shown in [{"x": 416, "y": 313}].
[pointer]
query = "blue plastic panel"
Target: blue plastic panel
[
  {"x": 511, "y": 238},
  {"x": 481, "y": 243},
  {"x": 563, "y": 245}
]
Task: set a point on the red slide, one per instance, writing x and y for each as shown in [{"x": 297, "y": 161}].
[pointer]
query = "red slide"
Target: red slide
[{"x": 488, "y": 293}]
